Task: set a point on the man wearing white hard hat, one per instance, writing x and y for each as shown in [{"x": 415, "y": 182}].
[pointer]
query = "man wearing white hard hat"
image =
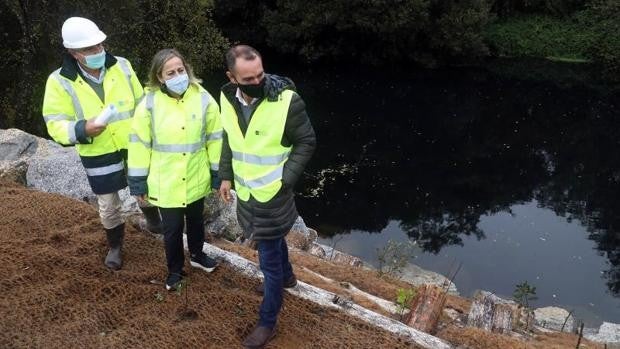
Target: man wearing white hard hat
[{"x": 89, "y": 103}]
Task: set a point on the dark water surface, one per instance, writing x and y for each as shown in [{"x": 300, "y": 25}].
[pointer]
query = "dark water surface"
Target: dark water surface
[{"x": 517, "y": 179}]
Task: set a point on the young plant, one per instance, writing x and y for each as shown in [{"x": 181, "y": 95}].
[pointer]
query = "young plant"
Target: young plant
[
  {"x": 403, "y": 300},
  {"x": 523, "y": 294}
]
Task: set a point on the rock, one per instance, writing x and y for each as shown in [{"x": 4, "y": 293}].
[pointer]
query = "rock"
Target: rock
[
  {"x": 492, "y": 313},
  {"x": 418, "y": 276},
  {"x": 14, "y": 170},
  {"x": 317, "y": 251},
  {"x": 553, "y": 318},
  {"x": 608, "y": 333},
  {"x": 221, "y": 217},
  {"x": 338, "y": 257},
  {"x": 300, "y": 236},
  {"x": 16, "y": 150},
  {"x": 452, "y": 314},
  {"x": 61, "y": 171},
  {"x": 16, "y": 144}
]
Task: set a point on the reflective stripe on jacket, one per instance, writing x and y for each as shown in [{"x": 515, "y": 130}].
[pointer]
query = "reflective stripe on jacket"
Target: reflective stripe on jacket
[
  {"x": 69, "y": 101},
  {"x": 173, "y": 146},
  {"x": 258, "y": 158}
]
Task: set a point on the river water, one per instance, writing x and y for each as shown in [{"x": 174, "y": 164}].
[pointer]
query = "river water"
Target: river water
[{"x": 516, "y": 179}]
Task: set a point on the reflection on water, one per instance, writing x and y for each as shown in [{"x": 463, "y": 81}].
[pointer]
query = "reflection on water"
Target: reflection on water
[
  {"x": 525, "y": 243},
  {"x": 448, "y": 155}
]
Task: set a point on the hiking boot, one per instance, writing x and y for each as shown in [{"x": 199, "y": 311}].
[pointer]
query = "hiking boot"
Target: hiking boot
[
  {"x": 259, "y": 337},
  {"x": 203, "y": 262},
  {"x": 114, "y": 258},
  {"x": 153, "y": 220},
  {"x": 290, "y": 283},
  {"x": 173, "y": 280}
]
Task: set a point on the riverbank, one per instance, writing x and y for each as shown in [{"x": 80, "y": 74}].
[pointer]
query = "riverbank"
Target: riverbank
[
  {"x": 54, "y": 247},
  {"x": 57, "y": 292}
]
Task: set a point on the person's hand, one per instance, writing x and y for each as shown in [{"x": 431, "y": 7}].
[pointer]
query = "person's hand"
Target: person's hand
[
  {"x": 225, "y": 191},
  {"x": 93, "y": 129},
  {"x": 141, "y": 199}
]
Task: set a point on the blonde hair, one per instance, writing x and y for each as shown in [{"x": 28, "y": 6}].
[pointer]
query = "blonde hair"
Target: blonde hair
[{"x": 157, "y": 66}]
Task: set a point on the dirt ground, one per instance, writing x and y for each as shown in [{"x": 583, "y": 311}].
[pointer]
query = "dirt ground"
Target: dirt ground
[{"x": 56, "y": 293}]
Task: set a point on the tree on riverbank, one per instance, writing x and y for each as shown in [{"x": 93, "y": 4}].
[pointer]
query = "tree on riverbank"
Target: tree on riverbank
[{"x": 429, "y": 32}]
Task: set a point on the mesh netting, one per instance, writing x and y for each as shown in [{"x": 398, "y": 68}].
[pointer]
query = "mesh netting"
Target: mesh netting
[{"x": 56, "y": 293}]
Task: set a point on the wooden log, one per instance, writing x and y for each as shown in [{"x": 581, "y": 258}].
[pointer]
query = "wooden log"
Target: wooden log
[
  {"x": 492, "y": 313},
  {"x": 426, "y": 308}
]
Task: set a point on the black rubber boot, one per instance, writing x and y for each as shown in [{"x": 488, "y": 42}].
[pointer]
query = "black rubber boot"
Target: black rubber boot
[
  {"x": 114, "y": 259},
  {"x": 153, "y": 220}
]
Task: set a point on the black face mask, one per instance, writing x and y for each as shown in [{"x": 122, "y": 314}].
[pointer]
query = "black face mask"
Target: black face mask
[{"x": 254, "y": 90}]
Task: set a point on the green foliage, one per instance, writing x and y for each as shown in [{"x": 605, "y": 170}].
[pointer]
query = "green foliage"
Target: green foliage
[
  {"x": 368, "y": 30},
  {"x": 550, "y": 7},
  {"x": 540, "y": 36},
  {"x": 403, "y": 300},
  {"x": 379, "y": 31},
  {"x": 603, "y": 17},
  {"x": 589, "y": 35},
  {"x": 394, "y": 256},
  {"x": 524, "y": 293},
  {"x": 459, "y": 27}
]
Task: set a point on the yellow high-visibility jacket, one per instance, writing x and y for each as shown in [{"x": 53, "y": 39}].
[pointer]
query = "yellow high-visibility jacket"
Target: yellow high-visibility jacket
[
  {"x": 174, "y": 147},
  {"x": 69, "y": 101},
  {"x": 258, "y": 158}
]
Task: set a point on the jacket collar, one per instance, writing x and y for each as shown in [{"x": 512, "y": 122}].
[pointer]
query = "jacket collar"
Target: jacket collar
[{"x": 70, "y": 68}]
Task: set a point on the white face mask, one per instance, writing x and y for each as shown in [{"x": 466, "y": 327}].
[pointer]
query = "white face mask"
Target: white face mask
[{"x": 178, "y": 84}]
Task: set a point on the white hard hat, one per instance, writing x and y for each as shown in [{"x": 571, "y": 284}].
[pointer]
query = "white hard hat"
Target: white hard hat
[{"x": 78, "y": 32}]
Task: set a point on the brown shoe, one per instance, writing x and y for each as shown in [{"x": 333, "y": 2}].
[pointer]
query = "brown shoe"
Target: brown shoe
[
  {"x": 259, "y": 337},
  {"x": 290, "y": 283}
]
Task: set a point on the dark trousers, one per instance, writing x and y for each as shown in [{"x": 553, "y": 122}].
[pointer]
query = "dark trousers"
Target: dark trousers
[
  {"x": 274, "y": 263},
  {"x": 173, "y": 221}
]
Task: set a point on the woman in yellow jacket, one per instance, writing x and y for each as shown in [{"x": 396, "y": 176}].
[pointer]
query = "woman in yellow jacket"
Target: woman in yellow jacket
[{"x": 174, "y": 152}]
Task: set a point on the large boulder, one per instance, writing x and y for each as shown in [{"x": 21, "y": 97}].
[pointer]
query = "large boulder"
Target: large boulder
[
  {"x": 221, "y": 217},
  {"x": 339, "y": 257},
  {"x": 415, "y": 275},
  {"x": 17, "y": 148},
  {"x": 16, "y": 144},
  {"x": 14, "y": 170},
  {"x": 493, "y": 313},
  {"x": 300, "y": 236},
  {"x": 62, "y": 172},
  {"x": 554, "y": 318}
]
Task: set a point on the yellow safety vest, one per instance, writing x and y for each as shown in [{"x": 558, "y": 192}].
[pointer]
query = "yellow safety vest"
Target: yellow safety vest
[
  {"x": 258, "y": 158},
  {"x": 174, "y": 143},
  {"x": 67, "y": 101}
]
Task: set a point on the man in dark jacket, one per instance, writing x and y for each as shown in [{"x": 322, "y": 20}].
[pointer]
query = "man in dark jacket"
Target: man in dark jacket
[{"x": 267, "y": 141}]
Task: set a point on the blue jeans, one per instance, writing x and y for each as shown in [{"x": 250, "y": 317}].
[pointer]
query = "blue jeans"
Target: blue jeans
[{"x": 274, "y": 263}]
